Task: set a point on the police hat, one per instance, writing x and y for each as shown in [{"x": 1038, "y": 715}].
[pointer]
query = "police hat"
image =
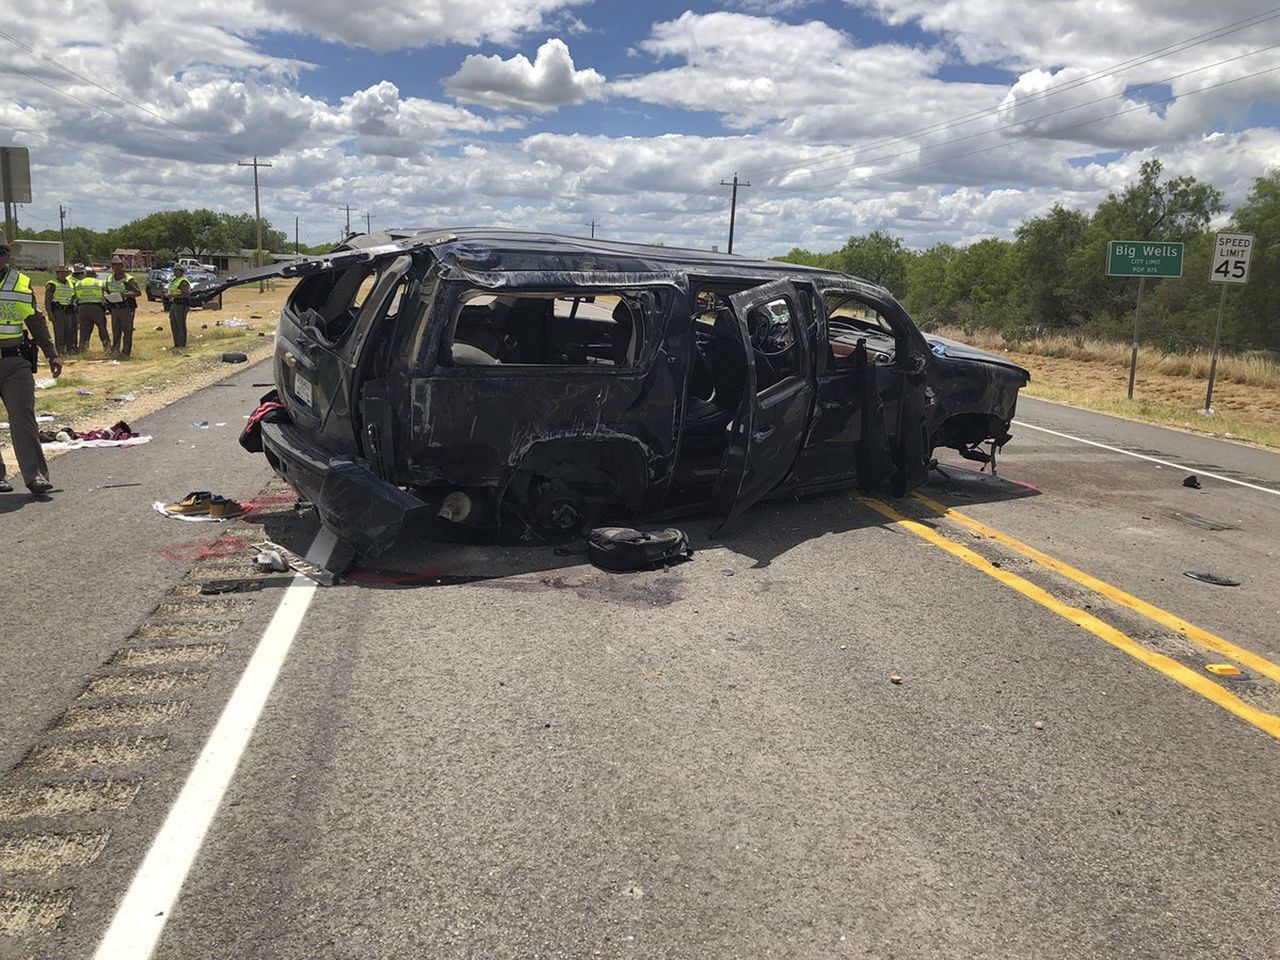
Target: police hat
[
  {"x": 180, "y": 266},
  {"x": 119, "y": 260},
  {"x": 78, "y": 268},
  {"x": 62, "y": 268}
]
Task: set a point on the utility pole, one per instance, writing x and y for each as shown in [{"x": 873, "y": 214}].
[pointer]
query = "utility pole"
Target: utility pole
[
  {"x": 593, "y": 226},
  {"x": 733, "y": 203},
  {"x": 368, "y": 222},
  {"x": 62, "y": 229},
  {"x": 348, "y": 233},
  {"x": 297, "y": 246},
  {"x": 257, "y": 214}
]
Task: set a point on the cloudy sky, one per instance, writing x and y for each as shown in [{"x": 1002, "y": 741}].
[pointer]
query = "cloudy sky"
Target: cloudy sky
[{"x": 937, "y": 120}]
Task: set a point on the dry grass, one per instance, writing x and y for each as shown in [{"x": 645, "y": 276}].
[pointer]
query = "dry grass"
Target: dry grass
[
  {"x": 155, "y": 376},
  {"x": 1169, "y": 390}
]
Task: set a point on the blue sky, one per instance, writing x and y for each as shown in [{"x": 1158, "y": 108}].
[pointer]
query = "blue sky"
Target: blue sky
[{"x": 938, "y": 120}]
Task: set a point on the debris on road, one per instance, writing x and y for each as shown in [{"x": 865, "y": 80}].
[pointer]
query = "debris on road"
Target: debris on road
[
  {"x": 624, "y": 548},
  {"x": 44, "y": 383},
  {"x": 895, "y": 679},
  {"x": 1039, "y": 725},
  {"x": 270, "y": 560},
  {"x": 235, "y": 357},
  {"x": 1192, "y": 481},
  {"x": 202, "y": 506},
  {"x": 1205, "y": 577}
]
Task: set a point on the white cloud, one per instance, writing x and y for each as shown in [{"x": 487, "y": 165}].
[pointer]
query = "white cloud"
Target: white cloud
[{"x": 549, "y": 82}]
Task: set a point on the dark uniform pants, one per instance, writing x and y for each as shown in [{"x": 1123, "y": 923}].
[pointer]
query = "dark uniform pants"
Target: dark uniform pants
[
  {"x": 122, "y": 329},
  {"x": 18, "y": 391},
  {"x": 178, "y": 321},
  {"x": 66, "y": 329},
  {"x": 92, "y": 315}
]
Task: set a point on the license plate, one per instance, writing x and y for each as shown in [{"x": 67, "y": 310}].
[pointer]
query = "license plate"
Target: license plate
[{"x": 302, "y": 389}]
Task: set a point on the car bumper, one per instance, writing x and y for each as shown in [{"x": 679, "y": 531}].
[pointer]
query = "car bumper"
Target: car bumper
[{"x": 355, "y": 505}]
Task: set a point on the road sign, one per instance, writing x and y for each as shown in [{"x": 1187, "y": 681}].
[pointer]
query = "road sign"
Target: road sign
[
  {"x": 15, "y": 179},
  {"x": 1141, "y": 258},
  {"x": 1231, "y": 253}
]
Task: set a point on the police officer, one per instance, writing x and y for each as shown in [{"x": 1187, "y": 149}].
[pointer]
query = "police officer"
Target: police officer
[
  {"x": 177, "y": 299},
  {"x": 60, "y": 307},
  {"x": 89, "y": 299},
  {"x": 121, "y": 294},
  {"x": 18, "y": 315}
]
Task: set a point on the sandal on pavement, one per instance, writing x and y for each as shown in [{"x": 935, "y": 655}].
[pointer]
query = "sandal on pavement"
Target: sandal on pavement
[{"x": 224, "y": 508}]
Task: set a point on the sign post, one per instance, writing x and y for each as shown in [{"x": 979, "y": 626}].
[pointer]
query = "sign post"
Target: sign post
[
  {"x": 1230, "y": 264},
  {"x": 1142, "y": 259},
  {"x": 15, "y": 183}
]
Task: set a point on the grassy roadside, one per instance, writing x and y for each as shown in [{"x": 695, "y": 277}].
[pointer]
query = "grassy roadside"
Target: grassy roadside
[
  {"x": 1169, "y": 389},
  {"x": 94, "y": 388}
]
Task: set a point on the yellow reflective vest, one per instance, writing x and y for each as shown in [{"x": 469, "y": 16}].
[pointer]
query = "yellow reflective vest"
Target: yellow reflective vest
[
  {"x": 174, "y": 290},
  {"x": 121, "y": 285},
  {"x": 16, "y": 305},
  {"x": 89, "y": 290},
  {"x": 64, "y": 291}
]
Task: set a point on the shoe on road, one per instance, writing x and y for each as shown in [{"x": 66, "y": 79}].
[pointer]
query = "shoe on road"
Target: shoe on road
[
  {"x": 194, "y": 504},
  {"x": 223, "y": 508},
  {"x": 5, "y": 486},
  {"x": 39, "y": 486}
]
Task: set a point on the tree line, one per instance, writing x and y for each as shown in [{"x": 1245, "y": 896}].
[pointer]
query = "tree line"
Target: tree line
[
  {"x": 169, "y": 234},
  {"x": 1051, "y": 277}
]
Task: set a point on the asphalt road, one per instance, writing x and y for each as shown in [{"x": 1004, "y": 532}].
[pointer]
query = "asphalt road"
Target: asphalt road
[{"x": 844, "y": 729}]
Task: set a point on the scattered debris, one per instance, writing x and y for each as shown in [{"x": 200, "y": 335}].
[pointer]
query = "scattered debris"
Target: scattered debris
[
  {"x": 270, "y": 560},
  {"x": 84, "y": 393},
  {"x": 1192, "y": 481},
  {"x": 624, "y": 548},
  {"x": 323, "y": 577},
  {"x": 44, "y": 383},
  {"x": 201, "y": 424},
  {"x": 159, "y": 329},
  {"x": 1224, "y": 669},
  {"x": 202, "y": 506},
  {"x": 234, "y": 357},
  {"x": 1039, "y": 725},
  {"x": 895, "y": 679},
  {"x": 1213, "y": 578},
  {"x": 243, "y": 585}
]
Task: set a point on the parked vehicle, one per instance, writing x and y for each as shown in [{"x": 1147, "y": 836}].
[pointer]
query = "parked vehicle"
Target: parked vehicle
[
  {"x": 191, "y": 263},
  {"x": 157, "y": 280},
  {"x": 497, "y": 376},
  {"x": 206, "y": 288}
]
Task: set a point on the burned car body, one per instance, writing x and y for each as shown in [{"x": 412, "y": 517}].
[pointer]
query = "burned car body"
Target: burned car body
[{"x": 482, "y": 374}]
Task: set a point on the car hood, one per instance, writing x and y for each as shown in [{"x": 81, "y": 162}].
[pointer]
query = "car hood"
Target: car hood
[{"x": 946, "y": 347}]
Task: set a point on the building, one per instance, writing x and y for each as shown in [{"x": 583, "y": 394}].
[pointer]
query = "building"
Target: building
[{"x": 134, "y": 259}]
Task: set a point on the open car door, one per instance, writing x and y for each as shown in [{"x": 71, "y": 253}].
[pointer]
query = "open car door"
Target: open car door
[
  {"x": 769, "y": 427},
  {"x": 894, "y": 395}
]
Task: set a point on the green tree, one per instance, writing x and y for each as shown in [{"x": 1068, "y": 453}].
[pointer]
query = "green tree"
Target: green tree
[
  {"x": 877, "y": 257},
  {"x": 927, "y": 292},
  {"x": 1255, "y": 307},
  {"x": 1044, "y": 248},
  {"x": 980, "y": 279}
]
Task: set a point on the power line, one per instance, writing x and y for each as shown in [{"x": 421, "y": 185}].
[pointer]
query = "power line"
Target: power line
[
  {"x": 1178, "y": 47},
  {"x": 1120, "y": 67},
  {"x": 62, "y": 66},
  {"x": 1032, "y": 136},
  {"x": 1053, "y": 113},
  {"x": 110, "y": 113}
]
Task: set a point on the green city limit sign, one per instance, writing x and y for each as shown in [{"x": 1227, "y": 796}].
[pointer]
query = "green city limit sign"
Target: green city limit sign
[{"x": 1138, "y": 258}]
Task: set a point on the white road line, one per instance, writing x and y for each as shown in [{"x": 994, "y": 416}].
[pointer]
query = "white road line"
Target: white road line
[
  {"x": 139, "y": 920},
  {"x": 1143, "y": 456}
]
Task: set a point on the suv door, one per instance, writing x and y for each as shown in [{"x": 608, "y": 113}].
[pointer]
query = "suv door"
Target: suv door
[
  {"x": 320, "y": 339},
  {"x": 901, "y": 386},
  {"x": 769, "y": 427}
]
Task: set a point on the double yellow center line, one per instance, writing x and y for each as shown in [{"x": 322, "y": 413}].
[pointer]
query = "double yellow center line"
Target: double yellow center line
[{"x": 1189, "y": 678}]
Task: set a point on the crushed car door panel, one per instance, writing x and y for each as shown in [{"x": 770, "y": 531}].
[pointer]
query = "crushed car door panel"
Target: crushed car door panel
[
  {"x": 766, "y": 433},
  {"x": 889, "y": 359}
]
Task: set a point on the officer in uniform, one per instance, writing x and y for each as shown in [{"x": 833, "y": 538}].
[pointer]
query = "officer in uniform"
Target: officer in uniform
[
  {"x": 60, "y": 307},
  {"x": 18, "y": 315},
  {"x": 122, "y": 292},
  {"x": 177, "y": 299},
  {"x": 89, "y": 299}
]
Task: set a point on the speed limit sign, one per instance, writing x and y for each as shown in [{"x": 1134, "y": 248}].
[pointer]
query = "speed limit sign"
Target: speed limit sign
[{"x": 1231, "y": 258}]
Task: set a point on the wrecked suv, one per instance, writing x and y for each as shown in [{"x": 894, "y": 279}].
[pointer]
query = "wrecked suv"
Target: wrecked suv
[{"x": 493, "y": 376}]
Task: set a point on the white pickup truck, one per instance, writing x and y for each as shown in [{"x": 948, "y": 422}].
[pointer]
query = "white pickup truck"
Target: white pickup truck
[{"x": 191, "y": 263}]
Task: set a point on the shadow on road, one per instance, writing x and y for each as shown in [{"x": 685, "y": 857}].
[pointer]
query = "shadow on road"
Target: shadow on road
[{"x": 434, "y": 553}]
